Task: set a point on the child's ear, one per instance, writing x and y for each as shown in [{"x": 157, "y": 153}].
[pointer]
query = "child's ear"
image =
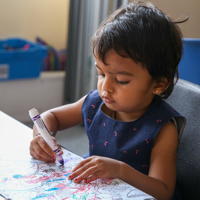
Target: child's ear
[{"x": 161, "y": 86}]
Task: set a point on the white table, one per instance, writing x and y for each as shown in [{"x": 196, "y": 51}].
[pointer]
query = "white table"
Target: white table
[
  {"x": 21, "y": 176},
  {"x": 13, "y": 134}
]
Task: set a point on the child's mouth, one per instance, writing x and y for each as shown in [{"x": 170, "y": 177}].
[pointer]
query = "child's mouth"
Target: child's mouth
[{"x": 107, "y": 100}]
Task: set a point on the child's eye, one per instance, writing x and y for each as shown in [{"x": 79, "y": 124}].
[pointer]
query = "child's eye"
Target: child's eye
[{"x": 122, "y": 82}]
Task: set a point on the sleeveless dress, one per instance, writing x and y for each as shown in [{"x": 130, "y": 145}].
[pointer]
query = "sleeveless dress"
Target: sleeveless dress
[{"x": 130, "y": 142}]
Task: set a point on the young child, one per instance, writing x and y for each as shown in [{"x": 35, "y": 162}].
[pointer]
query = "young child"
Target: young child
[{"x": 133, "y": 133}]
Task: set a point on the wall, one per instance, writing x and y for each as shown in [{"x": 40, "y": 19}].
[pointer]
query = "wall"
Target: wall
[
  {"x": 49, "y": 18},
  {"x": 28, "y": 19},
  {"x": 176, "y": 9}
]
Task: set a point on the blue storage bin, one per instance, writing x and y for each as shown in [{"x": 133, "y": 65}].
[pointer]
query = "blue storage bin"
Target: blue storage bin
[
  {"x": 189, "y": 66},
  {"x": 20, "y": 59}
]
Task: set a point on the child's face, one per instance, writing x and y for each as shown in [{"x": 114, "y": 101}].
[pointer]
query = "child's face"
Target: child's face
[{"x": 124, "y": 86}]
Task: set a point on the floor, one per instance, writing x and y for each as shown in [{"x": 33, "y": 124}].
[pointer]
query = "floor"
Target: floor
[{"x": 75, "y": 139}]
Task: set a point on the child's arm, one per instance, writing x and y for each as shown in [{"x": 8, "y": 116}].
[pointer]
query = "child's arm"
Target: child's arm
[
  {"x": 160, "y": 182},
  {"x": 55, "y": 119}
]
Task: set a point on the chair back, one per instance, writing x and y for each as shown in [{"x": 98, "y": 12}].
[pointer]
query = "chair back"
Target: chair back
[{"x": 186, "y": 99}]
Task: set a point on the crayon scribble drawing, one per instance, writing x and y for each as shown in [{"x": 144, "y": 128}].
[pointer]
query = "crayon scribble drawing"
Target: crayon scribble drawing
[{"x": 23, "y": 178}]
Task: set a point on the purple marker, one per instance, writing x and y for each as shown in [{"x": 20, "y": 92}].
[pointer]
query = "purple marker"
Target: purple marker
[{"x": 34, "y": 114}]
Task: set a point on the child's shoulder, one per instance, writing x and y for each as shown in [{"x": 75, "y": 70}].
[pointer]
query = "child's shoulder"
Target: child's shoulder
[
  {"x": 93, "y": 95},
  {"x": 92, "y": 99},
  {"x": 171, "y": 114},
  {"x": 166, "y": 108}
]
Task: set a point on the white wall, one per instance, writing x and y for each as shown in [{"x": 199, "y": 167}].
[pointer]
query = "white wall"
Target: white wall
[
  {"x": 28, "y": 19},
  {"x": 49, "y": 18}
]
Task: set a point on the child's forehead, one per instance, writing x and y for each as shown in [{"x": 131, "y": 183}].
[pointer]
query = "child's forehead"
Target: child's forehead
[
  {"x": 110, "y": 54},
  {"x": 113, "y": 61}
]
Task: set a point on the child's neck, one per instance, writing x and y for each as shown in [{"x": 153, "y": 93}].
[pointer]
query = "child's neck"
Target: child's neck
[{"x": 122, "y": 116}]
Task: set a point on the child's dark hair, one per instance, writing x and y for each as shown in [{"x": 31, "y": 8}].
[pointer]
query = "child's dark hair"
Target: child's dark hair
[{"x": 145, "y": 34}]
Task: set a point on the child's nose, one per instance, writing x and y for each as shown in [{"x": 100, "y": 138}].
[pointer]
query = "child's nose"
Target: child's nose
[{"x": 107, "y": 84}]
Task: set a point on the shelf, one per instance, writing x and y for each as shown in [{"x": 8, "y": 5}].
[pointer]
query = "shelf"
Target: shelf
[{"x": 19, "y": 96}]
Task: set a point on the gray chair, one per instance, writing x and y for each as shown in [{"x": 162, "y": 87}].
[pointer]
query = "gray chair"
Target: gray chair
[{"x": 186, "y": 99}]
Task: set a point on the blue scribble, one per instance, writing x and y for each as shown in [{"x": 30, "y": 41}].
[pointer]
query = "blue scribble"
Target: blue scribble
[
  {"x": 69, "y": 183},
  {"x": 17, "y": 176},
  {"x": 67, "y": 174},
  {"x": 41, "y": 196},
  {"x": 62, "y": 179},
  {"x": 55, "y": 188}
]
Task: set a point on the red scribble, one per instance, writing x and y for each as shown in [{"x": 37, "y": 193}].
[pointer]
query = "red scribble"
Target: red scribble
[
  {"x": 61, "y": 186},
  {"x": 159, "y": 120},
  {"x": 136, "y": 151},
  {"x": 92, "y": 146},
  {"x": 115, "y": 133},
  {"x": 135, "y": 129},
  {"x": 89, "y": 120},
  {"x": 105, "y": 143},
  {"x": 147, "y": 141},
  {"x": 1, "y": 181},
  {"x": 93, "y": 106},
  {"x": 144, "y": 165},
  {"x": 44, "y": 178},
  {"x": 104, "y": 124},
  {"x": 31, "y": 176},
  {"x": 125, "y": 151}
]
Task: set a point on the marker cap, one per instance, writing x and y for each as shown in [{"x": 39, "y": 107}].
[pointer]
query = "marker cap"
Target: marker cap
[{"x": 33, "y": 112}]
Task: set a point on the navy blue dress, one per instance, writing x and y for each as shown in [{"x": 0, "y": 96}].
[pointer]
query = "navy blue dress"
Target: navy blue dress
[{"x": 130, "y": 142}]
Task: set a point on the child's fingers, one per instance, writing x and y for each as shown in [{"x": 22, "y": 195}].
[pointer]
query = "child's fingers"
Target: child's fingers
[
  {"x": 58, "y": 145},
  {"x": 95, "y": 176},
  {"x": 38, "y": 157},
  {"x": 45, "y": 147},
  {"x": 81, "y": 164},
  {"x": 95, "y": 167},
  {"x": 90, "y": 172},
  {"x": 79, "y": 171},
  {"x": 39, "y": 149}
]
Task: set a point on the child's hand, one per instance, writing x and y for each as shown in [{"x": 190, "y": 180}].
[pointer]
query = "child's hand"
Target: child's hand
[
  {"x": 95, "y": 167},
  {"x": 40, "y": 150}
]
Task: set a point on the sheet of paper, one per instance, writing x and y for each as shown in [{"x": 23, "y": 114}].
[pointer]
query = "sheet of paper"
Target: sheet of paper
[{"x": 24, "y": 178}]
